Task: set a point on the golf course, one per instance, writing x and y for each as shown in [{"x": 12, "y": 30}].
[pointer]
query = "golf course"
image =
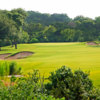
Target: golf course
[{"x": 47, "y": 57}]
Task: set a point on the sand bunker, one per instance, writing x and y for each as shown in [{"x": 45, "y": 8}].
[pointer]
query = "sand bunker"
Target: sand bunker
[
  {"x": 91, "y": 43},
  {"x": 20, "y": 55},
  {"x": 3, "y": 56}
]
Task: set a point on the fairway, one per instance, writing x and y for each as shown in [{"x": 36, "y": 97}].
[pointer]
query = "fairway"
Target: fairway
[{"x": 48, "y": 57}]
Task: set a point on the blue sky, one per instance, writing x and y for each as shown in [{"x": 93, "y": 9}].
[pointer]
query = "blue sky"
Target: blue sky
[{"x": 88, "y": 8}]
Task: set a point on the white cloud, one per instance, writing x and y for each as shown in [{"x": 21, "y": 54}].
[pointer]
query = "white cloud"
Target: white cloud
[{"x": 89, "y": 8}]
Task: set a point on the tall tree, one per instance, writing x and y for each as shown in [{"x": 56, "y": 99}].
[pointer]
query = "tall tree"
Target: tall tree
[
  {"x": 18, "y": 16},
  {"x": 4, "y": 27}
]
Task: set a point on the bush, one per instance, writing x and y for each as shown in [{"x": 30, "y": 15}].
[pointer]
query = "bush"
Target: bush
[
  {"x": 34, "y": 40},
  {"x": 26, "y": 88},
  {"x": 72, "y": 86},
  {"x": 94, "y": 94},
  {"x": 9, "y": 69},
  {"x": 63, "y": 83},
  {"x": 13, "y": 69},
  {"x": 4, "y": 69}
]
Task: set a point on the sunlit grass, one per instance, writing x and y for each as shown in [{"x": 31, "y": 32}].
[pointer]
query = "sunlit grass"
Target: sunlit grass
[{"x": 48, "y": 57}]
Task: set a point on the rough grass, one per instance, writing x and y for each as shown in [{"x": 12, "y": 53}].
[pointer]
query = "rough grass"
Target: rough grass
[{"x": 48, "y": 57}]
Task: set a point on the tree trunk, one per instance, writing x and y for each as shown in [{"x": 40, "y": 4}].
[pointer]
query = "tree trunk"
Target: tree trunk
[{"x": 15, "y": 45}]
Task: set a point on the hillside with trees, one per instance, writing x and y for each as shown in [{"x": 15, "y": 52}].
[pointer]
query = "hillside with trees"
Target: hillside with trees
[
  {"x": 61, "y": 28},
  {"x": 46, "y": 19}
]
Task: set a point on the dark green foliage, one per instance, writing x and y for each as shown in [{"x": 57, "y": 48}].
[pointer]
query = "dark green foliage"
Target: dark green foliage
[
  {"x": 63, "y": 83},
  {"x": 9, "y": 69},
  {"x": 26, "y": 88},
  {"x": 24, "y": 38},
  {"x": 13, "y": 69},
  {"x": 34, "y": 40},
  {"x": 19, "y": 26},
  {"x": 46, "y": 19},
  {"x": 5, "y": 25},
  {"x": 67, "y": 30},
  {"x": 13, "y": 78},
  {"x": 4, "y": 69},
  {"x": 79, "y": 29},
  {"x": 11, "y": 24},
  {"x": 94, "y": 94},
  {"x": 72, "y": 86}
]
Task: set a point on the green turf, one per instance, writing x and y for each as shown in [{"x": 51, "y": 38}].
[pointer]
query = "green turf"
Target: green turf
[{"x": 48, "y": 57}]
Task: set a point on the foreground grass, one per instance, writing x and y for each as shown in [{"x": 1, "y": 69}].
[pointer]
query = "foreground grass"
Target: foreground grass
[{"x": 48, "y": 57}]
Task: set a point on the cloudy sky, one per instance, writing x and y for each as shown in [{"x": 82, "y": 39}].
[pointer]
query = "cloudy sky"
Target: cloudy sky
[{"x": 88, "y": 8}]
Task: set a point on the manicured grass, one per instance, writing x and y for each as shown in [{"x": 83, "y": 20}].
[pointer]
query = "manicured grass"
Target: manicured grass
[{"x": 48, "y": 57}]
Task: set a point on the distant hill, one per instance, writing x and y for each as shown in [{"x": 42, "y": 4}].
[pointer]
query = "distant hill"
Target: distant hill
[{"x": 46, "y": 19}]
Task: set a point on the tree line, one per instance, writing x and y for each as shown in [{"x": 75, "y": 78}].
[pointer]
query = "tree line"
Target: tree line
[
  {"x": 20, "y": 26},
  {"x": 61, "y": 28}
]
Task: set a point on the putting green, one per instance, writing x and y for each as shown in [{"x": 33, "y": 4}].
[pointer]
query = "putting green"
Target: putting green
[{"x": 48, "y": 57}]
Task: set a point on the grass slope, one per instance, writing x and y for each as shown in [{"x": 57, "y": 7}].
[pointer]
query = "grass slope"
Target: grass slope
[{"x": 48, "y": 57}]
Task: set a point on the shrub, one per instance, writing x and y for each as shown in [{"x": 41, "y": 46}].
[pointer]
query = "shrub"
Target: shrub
[
  {"x": 63, "y": 83},
  {"x": 13, "y": 69},
  {"x": 9, "y": 69},
  {"x": 26, "y": 88},
  {"x": 94, "y": 94},
  {"x": 34, "y": 40},
  {"x": 4, "y": 69},
  {"x": 72, "y": 86}
]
